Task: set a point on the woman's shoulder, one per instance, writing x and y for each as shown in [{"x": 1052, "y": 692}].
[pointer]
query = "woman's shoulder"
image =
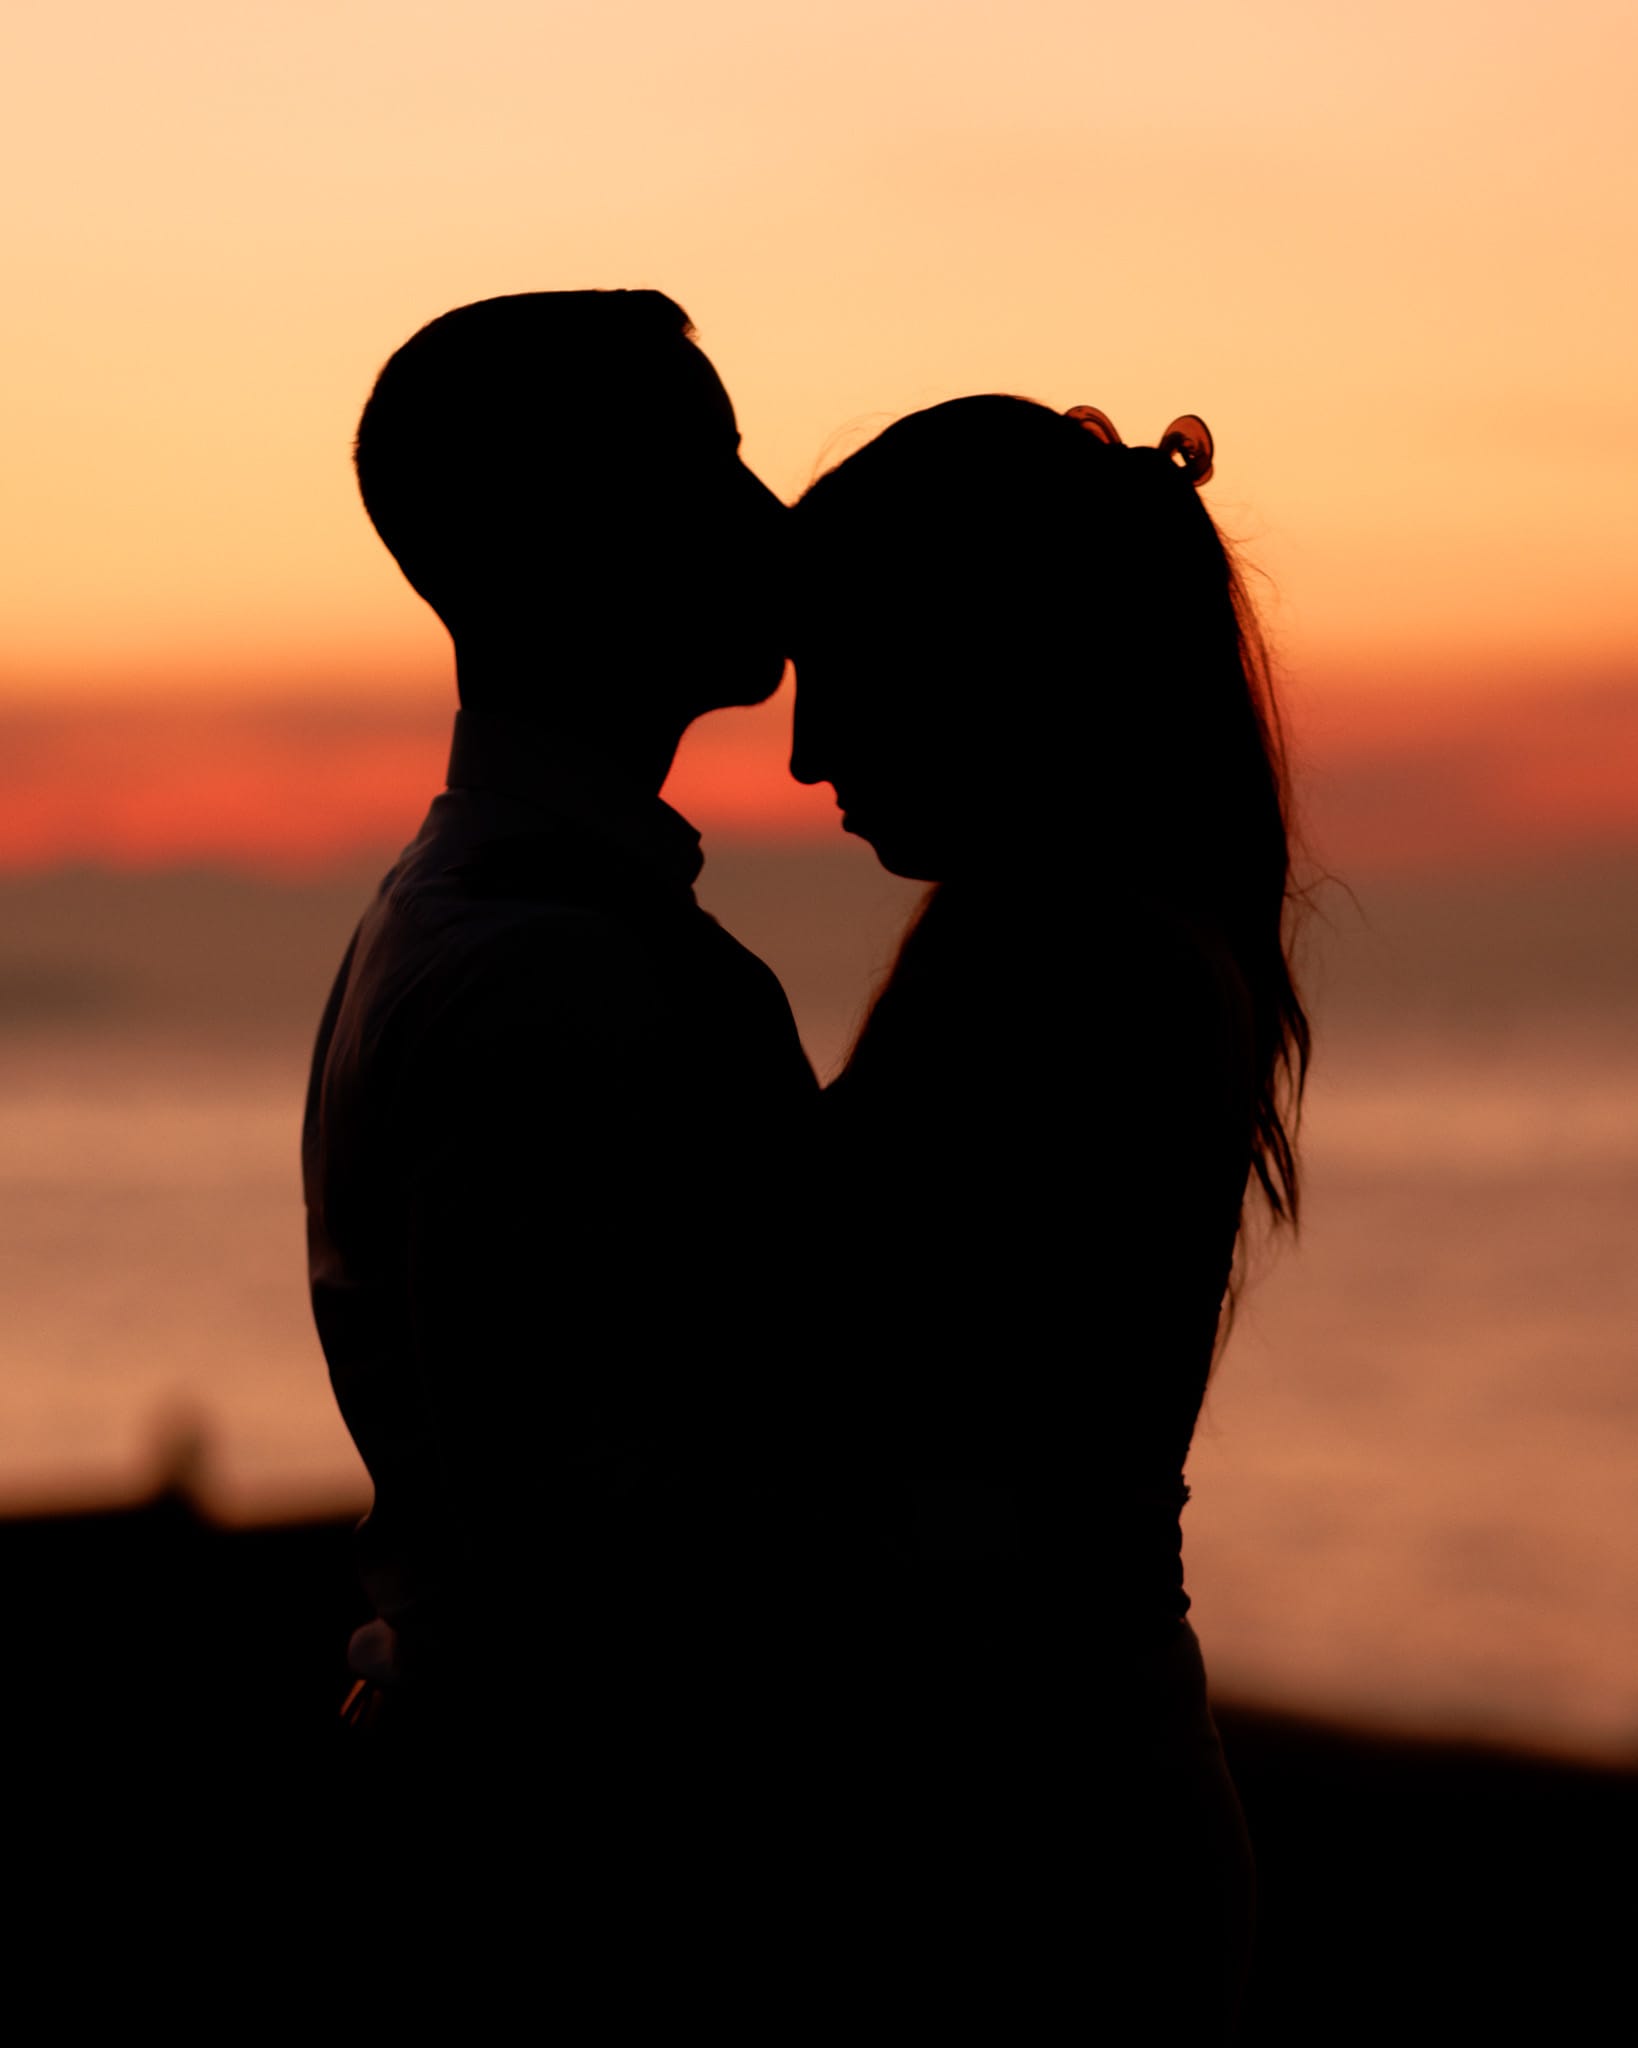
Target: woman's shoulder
[
  {"x": 1028, "y": 946},
  {"x": 1127, "y": 956},
  {"x": 1019, "y": 982},
  {"x": 1172, "y": 982},
  {"x": 1163, "y": 946}
]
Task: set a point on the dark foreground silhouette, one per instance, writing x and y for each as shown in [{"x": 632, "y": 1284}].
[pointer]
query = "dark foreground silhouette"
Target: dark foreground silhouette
[
  {"x": 559, "y": 1120},
  {"x": 171, "y": 1703},
  {"x": 1025, "y": 665}
]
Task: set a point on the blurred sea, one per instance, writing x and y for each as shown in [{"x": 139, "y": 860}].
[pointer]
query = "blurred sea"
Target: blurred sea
[{"x": 1416, "y": 1477}]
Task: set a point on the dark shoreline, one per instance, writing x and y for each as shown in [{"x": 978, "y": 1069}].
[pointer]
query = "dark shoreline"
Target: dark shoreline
[{"x": 1404, "y": 1883}]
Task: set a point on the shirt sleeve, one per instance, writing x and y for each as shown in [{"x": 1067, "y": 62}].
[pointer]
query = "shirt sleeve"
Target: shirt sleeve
[{"x": 590, "y": 1282}]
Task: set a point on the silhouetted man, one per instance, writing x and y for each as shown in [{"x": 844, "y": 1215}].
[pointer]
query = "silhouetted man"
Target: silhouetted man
[{"x": 556, "y": 1113}]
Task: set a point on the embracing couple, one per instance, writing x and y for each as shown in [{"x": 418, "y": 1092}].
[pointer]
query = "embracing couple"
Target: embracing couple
[{"x": 822, "y": 1449}]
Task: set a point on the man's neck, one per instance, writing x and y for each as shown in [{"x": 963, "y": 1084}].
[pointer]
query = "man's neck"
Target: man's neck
[
  {"x": 568, "y": 786},
  {"x": 631, "y": 751}
]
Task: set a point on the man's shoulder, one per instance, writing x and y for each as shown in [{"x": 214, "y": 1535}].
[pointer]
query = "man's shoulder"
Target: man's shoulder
[
  {"x": 481, "y": 939},
  {"x": 439, "y": 957}
]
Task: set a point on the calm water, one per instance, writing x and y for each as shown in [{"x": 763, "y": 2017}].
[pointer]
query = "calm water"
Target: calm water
[{"x": 1415, "y": 1479}]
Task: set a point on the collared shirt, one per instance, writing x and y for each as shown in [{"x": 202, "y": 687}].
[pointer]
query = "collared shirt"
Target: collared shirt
[{"x": 557, "y": 1123}]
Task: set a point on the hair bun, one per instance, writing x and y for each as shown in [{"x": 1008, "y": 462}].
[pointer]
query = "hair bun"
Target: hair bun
[
  {"x": 1187, "y": 445},
  {"x": 1098, "y": 424}
]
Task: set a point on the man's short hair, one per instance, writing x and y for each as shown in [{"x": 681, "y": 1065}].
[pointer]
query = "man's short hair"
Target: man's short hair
[{"x": 493, "y": 430}]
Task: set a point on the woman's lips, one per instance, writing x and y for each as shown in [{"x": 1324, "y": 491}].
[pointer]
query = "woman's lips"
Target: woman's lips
[{"x": 853, "y": 819}]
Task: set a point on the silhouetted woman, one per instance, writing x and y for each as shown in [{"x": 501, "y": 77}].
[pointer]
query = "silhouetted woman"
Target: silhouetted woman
[{"x": 1029, "y": 669}]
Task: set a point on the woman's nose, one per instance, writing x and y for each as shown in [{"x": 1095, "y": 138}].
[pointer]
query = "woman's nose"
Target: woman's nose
[{"x": 807, "y": 754}]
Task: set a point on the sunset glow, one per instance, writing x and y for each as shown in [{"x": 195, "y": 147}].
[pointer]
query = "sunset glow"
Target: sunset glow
[
  {"x": 1386, "y": 783},
  {"x": 1381, "y": 250},
  {"x": 1386, "y": 251}
]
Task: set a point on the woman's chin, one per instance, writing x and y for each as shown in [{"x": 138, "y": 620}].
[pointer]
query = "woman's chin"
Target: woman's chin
[{"x": 898, "y": 855}]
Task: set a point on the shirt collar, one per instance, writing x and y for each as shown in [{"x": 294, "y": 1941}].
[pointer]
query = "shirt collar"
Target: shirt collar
[{"x": 562, "y": 781}]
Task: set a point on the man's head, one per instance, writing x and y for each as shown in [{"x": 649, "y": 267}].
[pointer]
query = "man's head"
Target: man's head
[{"x": 558, "y": 475}]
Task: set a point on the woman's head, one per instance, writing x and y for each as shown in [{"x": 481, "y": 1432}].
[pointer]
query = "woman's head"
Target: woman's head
[
  {"x": 999, "y": 612},
  {"x": 1025, "y": 650}
]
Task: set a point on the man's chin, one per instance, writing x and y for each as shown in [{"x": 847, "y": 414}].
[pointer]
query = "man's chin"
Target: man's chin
[{"x": 740, "y": 688}]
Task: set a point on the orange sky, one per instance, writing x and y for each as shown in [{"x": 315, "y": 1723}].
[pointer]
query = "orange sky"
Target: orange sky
[
  {"x": 1386, "y": 782},
  {"x": 1384, "y": 250}
]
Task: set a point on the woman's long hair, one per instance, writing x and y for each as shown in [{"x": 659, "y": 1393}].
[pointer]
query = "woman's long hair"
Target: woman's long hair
[{"x": 1082, "y": 593}]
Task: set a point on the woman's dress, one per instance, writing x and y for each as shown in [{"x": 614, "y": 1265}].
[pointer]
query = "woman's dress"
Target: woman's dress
[{"x": 1040, "y": 1149}]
